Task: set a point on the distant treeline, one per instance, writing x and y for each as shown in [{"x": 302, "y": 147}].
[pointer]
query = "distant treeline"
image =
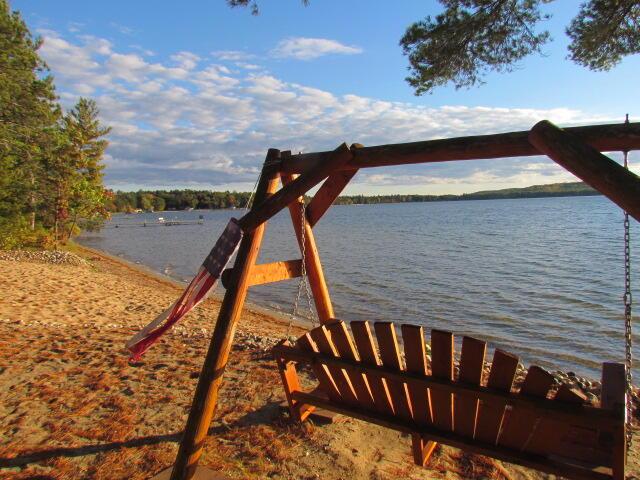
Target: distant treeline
[{"x": 159, "y": 200}]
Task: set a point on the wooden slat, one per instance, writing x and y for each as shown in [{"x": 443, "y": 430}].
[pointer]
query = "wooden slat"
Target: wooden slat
[
  {"x": 390, "y": 356},
  {"x": 613, "y": 398},
  {"x": 327, "y": 194},
  {"x": 521, "y": 423},
  {"x": 548, "y": 435},
  {"x": 320, "y": 336},
  {"x": 321, "y": 371},
  {"x": 422, "y": 449},
  {"x": 613, "y": 386},
  {"x": 442, "y": 367},
  {"x": 346, "y": 349},
  {"x": 471, "y": 369},
  {"x": 491, "y": 413},
  {"x": 584, "y": 415},
  {"x": 368, "y": 355},
  {"x": 545, "y": 464},
  {"x": 415, "y": 356},
  {"x": 291, "y": 384},
  {"x": 267, "y": 273}
]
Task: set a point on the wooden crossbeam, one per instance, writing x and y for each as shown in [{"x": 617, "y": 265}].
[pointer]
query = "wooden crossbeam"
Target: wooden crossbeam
[
  {"x": 605, "y": 138},
  {"x": 266, "y": 273},
  {"x": 605, "y": 175},
  {"x": 329, "y": 191},
  {"x": 266, "y": 209}
]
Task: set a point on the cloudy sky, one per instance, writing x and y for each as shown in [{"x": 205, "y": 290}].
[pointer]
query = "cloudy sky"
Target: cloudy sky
[{"x": 197, "y": 92}]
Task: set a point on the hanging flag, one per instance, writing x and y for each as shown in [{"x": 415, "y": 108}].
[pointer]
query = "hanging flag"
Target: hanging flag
[{"x": 202, "y": 284}]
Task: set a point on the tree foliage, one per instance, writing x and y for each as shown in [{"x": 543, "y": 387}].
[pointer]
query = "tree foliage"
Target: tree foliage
[
  {"x": 603, "y": 32},
  {"x": 50, "y": 164},
  {"x": 473, "y": 37}
]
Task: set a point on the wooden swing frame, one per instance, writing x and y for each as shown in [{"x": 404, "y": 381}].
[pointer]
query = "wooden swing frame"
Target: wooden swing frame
[{"x": 577, "y": 149}]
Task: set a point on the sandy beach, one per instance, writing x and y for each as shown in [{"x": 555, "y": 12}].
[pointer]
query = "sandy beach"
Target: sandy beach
[{"x": 73, "y": 407}]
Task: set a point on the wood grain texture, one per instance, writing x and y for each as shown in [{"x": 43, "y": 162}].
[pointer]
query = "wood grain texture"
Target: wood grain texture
[
  {"x": 320, "y": 336},
  {"x": 346, "y": 349},
  {"x": 605, "y": 138},
  {"x": 442, "y": 367},
  {"x": 491, "y": 413},
  {"x": 618, "y": 184},
  {"x": 547, "y": 437},
  {"x": 471, "y": 368},
  {"x": 522, "y": 422},
  {"x": 613, "y": 398},
  {"x": 325, "y": 379},
  {"x": 263, "y": 210},
  {"x": 205, "y": 397},
  {"x": 266, "y": 273},
  {"x": 327, "y": 194},
  {"x": 390, "y": 356},
  {"x": 369, "y": 356},
  {"x": 415, "y": 355},
  {"x": 313, "y": 265}
]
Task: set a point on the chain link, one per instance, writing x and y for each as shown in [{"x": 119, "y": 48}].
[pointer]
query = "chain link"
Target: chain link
[
  {"x": 303, "y": 284},
  {"x": 627, "y": 298}
]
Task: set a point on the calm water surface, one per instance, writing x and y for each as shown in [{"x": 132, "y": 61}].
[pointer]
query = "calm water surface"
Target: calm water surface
[{"x": 542, "y": 278}]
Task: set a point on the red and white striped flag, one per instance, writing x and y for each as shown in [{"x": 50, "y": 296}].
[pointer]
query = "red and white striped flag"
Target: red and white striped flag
[{"x": 202, "y": 284}]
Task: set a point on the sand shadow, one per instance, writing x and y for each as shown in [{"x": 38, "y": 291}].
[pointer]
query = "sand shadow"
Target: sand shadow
[{"x": 266, "y": 414}]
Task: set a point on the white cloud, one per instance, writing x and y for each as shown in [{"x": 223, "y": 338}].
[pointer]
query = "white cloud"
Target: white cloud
[
  {"x": 301, "y": 48},
  {"x": 193, "y": 121},
  {"x": 231, "y": 55},
  {"x": 123, "y": 29}
]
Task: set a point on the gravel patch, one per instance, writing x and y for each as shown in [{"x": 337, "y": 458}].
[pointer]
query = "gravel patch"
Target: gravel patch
[{"x": 55, "y": 257}]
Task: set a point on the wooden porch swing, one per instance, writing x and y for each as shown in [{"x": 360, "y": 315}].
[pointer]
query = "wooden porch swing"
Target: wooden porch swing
[{"x": 562, "y": 435}]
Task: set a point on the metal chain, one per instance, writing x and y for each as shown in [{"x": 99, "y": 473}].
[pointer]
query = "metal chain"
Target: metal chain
[
  {"x": 628, "y": 315},
  {"x": 303, "y": 284}
]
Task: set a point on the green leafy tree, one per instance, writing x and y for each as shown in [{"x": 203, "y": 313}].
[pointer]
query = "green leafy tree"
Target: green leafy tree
[
  {"x": 158, "y": 204},
  {"x": 473, "y": 37}
]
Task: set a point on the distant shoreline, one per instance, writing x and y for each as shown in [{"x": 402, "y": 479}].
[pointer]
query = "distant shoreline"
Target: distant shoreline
[{"x": 177, "y": 200}]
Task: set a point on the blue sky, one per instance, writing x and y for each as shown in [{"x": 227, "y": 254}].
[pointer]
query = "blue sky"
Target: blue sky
[{"x": 196, "y": 91}]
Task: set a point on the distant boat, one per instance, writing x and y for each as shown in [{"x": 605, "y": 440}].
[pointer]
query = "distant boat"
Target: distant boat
[{"x": 189, "y": 209}]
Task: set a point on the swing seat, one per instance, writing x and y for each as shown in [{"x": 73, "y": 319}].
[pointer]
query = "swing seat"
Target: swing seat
[{"x": 464, "y": 406}]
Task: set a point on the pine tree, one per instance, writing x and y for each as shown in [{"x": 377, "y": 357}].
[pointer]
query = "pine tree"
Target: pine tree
[
  {"x": 28, "y": 123},
  {"x": 77, "y": 172}
]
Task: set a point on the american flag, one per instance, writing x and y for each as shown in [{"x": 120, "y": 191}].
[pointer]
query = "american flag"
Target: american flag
[{"x": 202, "y": 284}]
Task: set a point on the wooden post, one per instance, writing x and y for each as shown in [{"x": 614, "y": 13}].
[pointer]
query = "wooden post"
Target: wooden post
[
  {"x": 206, "y": 395},
  {"x": 608, "y": 177},
  {"x": 312, "y": 258},
  {"x": 265, "y": 210}
]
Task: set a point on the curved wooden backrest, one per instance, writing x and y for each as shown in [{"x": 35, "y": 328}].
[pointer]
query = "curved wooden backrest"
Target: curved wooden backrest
[{"x": 419, "y": 387}]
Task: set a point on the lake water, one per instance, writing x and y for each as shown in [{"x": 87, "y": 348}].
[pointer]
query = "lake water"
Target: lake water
[{"x": 542, "y": 278}]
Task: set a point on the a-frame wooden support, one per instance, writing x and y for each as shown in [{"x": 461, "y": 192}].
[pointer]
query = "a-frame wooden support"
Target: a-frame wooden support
[
  {"x": 268, "y": 201},
  {"x": 576, "y": 149}
]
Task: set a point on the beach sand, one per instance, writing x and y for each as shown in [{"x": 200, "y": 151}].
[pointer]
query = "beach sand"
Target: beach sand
[{"x": 73, "y": 407}]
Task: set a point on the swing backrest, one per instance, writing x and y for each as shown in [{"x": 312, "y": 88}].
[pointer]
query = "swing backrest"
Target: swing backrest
[{"x": 423, "y": 391}]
